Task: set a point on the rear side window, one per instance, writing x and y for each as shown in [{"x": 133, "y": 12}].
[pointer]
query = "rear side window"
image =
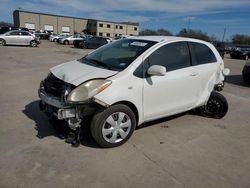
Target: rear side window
[
  {"x": 172, "y": 56},
  {"x": 25, "y": 33},
  {"x": 201, "y": 54}
]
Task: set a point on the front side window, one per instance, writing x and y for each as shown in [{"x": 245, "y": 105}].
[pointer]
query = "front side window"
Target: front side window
[
  {"x": 15, "y": 33},
  {"x": 172, "y": 56},
  {"x": 201, "y": 54},
  {"x": 118, "y": 55}
]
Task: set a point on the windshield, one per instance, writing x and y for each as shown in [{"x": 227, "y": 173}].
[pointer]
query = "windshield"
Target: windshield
[{"x": 120, "y": 54}]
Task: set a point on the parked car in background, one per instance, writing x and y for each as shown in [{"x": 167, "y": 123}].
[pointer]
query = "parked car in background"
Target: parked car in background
[
  {"x": 220, "y": 47},
  {"x": 93, "y": 42},
  {"x": 109, "y": 39},
  {"x": 54, "y": 38},
  {"x": 240, "y": 53},
  {"x": 132, "y": 81},
  {"x": 77, "y": 42},
  {"x": 17, "y": 37},
  {"x": 246, "y": 73},
  {"x": 43, "y": 34},
  {"x": 71, "y": 39}
]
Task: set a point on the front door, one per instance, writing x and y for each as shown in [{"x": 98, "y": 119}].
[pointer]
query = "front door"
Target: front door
[{"x": 175, "y": 92}]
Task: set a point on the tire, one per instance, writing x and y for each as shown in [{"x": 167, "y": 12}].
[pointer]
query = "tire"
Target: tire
[
  {"x": 216, "y": 106},
  {"x": 33, "y": 43},
  {"x": 2, "y": 42},
  {"x": 54, "y": 40},
  {"x": 66, "y": 42},
  {"x": 82, "y": 45},
  {"x": 106, "y": 129}
]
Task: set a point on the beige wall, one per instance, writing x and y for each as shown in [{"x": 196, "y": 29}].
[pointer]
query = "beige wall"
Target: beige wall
[
  {"x": 115, "y": 29},
  {"x": 65, "y": 22},
  {"x": 75, "y": 24},
  {"x": 29, "y": 18},
  {"x": 79, "y": 25},
  {"x": 48, "y": 20}
]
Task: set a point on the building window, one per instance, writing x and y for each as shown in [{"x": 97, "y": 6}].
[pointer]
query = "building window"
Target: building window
[
  {"x": 121, "y": 27},
  {"x": 116, "y": 26},
  {"x": 100, "y": 25},
  {"x": 135, "y": 28},
  {"x": 108, "y": 26},
  {"x": 100, "y": 34},
  {"x": 108, "y": 34}
]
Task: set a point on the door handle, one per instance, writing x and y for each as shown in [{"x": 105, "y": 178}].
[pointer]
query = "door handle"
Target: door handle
[{"x": 194, "y": 73}]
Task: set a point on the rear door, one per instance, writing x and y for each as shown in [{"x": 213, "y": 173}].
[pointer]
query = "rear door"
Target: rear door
[
  {"x": 13, "y": 38},
  {"x": 205, "y": 64}
]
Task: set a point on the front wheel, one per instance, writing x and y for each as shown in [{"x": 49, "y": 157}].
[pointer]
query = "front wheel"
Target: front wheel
[
  {"x": 216, "y": 106},
  {"x": 113, "y": 126}
]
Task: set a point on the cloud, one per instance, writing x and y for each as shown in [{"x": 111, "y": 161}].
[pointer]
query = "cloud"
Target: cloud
[{"x": 147, "y": 5}]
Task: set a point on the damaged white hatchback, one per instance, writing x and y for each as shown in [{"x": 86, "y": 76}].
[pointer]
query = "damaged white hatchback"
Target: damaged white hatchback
[{"x": 135, "y": 80}]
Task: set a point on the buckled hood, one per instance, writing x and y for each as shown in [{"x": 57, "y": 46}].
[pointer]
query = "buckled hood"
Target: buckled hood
[{"x": 75, "y": 72}]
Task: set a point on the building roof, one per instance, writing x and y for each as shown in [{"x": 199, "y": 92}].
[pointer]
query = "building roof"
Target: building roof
[{"x": 127, "y": 23}]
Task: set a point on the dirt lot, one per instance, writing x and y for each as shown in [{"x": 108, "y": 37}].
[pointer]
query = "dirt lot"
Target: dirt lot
[{"x": 182, "y": 151}]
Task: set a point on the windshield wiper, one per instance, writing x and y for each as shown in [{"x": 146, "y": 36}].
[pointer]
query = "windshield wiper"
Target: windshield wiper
[{"x": 97, "y": 62}]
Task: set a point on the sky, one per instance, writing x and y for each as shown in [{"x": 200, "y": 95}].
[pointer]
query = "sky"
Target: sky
[{"x": 210, "y": 16}]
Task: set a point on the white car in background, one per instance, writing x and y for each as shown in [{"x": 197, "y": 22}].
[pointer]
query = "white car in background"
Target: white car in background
[
  {"x": 19, "y": 37},
  {"x": 132, "y": 81}
]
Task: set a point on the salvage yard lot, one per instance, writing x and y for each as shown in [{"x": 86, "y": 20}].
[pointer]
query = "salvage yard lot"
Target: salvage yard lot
[{"x": 180, "y": 151}]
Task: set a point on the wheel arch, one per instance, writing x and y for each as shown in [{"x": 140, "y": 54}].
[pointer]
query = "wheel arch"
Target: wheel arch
[{"x": 132, "y": 107}]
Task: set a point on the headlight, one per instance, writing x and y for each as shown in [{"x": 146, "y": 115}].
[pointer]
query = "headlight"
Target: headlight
[{"x": 87, "y": 90}]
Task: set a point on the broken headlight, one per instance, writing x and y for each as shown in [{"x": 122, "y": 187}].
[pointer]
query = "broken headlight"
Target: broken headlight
[{"x": 87, "y": 90}]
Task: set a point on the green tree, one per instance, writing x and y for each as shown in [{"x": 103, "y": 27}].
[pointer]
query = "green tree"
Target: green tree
[
  {"x": 197, "y": 34},
  {"x": 5, "y": 24},
  {"x": 164, "y": 32},
  {"x": 241, "y": 39}
]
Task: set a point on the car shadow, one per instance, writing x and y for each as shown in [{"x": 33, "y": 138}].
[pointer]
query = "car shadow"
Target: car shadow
[
  {"x": 45, "y": 129},
  {"x": 154, "y": 122},
  {"x": 236, "y": 80}
]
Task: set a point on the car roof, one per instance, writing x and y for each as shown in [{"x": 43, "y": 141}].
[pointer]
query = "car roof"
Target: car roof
[{"x": 165, "y": 38}]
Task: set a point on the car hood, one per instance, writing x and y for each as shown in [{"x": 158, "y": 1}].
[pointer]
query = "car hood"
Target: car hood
[{"x": 75, "y": 72}]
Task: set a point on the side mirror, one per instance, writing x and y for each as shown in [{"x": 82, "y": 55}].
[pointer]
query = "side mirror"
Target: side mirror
[
  {"x": 226, "y": 72},
  {"x": 157, "y": 70}
]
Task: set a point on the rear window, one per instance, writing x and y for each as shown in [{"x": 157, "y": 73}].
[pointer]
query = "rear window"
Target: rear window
[{"x": 201, "y": 54}]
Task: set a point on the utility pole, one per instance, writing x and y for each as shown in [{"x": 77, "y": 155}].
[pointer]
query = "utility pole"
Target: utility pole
[
  {"x": 224, "y": 34},
  {"x": 188, "y": 24}
]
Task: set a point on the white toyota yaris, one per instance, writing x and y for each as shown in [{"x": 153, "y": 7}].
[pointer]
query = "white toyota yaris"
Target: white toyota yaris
[{"x": 131, "y": 81}]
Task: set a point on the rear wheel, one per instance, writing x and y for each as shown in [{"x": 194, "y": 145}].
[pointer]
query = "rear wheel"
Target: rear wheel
[
  {"x": 113, "y": 126},
  {"x": 33, "y": 43},
  {"x": 216, "y": 106},
  {"x": 2, "y": 42}
]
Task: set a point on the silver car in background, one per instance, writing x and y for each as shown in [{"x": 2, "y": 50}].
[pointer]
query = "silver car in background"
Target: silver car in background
[
  {"x": 70, "y": 39},
  {"x": 17, "y": 37}
]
